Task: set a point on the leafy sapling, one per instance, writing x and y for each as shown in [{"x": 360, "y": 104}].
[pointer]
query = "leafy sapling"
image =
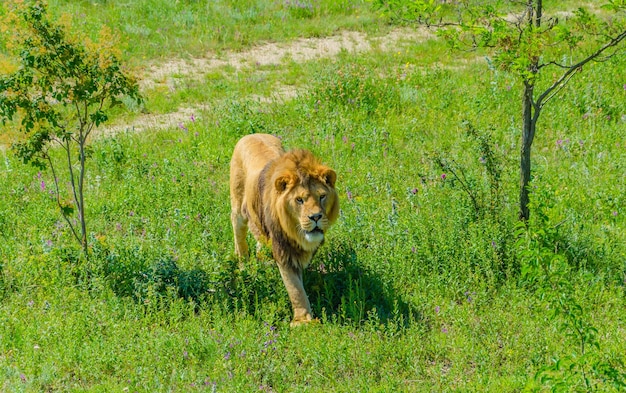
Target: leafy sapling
[
  {"x": 543, "y": 52},
  {"x": 63, "y": 87}
]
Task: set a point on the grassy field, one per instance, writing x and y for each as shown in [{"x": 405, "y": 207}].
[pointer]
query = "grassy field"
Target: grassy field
[{"x": 423, "y": 283}]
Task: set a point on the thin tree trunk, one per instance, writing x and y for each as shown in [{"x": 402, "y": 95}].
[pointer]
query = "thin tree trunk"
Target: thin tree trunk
[
  {"x": 528, "y": 133},
  {"x": 530, "y": 116},
  {"x": 539, "y": 13},
  {"x": 81, "y": 196}
]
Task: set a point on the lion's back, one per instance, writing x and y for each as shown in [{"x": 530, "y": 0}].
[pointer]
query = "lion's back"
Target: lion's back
[{"x": 250, "y": 156}]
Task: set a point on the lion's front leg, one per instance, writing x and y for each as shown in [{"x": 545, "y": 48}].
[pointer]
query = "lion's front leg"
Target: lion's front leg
[
  {"x": 292, "y": 279},
  {"x": 240, "y": 229}
]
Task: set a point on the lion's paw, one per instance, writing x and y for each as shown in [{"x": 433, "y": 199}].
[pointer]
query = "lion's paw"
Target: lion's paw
[{"x": 304, "y": 321}]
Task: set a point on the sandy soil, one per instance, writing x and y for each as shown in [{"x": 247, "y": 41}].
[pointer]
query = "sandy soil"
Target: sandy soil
[{"x": 301, "y": 50}]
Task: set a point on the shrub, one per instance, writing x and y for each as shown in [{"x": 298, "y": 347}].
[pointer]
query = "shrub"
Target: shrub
[{"x": 63, "y": 88}]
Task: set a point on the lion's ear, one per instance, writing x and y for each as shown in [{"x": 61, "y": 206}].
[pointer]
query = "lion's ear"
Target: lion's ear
[
  {"x": 283, "y": 181},
  {"x": 329, "y": 177}
]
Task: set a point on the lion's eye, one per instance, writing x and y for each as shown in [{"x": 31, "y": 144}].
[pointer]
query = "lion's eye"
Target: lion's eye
[
  {"x": 299, "y": 200},
  {"x": 322, "y": 197}
]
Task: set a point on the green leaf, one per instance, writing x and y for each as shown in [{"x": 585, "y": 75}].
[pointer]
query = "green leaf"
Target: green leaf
[{"x": 98, "y": 117}]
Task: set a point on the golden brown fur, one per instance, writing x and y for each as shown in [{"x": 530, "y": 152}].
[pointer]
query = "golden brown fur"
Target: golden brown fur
[{"x": 287, "y": 200}]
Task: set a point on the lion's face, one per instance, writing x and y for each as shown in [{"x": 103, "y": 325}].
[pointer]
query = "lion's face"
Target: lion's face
[
  {"x": 310, "y": 205},
  {"x": 307, "y": 202}
]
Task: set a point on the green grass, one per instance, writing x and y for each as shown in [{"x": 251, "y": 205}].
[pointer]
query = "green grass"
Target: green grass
[
  {"x": 192, "y": 28},
  {"x": 418, "y": 287}
]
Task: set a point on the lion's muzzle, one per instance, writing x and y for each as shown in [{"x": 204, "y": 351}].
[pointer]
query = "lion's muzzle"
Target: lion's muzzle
[{"x": 315, "y": 217}]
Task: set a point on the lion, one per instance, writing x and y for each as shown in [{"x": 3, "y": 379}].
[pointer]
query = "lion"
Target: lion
[{"x": 288, "y": 201}]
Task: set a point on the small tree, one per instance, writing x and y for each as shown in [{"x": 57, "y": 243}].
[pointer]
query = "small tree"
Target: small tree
[
  {"x": 525, "y": 43},
  {"x": 61, "y": 90}
]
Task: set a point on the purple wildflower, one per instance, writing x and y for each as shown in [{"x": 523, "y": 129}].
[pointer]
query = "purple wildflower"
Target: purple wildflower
[
  {"x": 615, "y": 213},
  {"x": 444, "y": 330},
  {"x": 182, "y": 127},
  {"x": 414, "y": 191},
  {"x": 227, "y": 356},
  {"x": 437, "y": 309},
  {"x": 469, "y": 296},
  {"x": 349, "y": 195},
  {"x": 193, "y": 118},
  {"x": 23, "y": 377},
  {"x": 43, "y": 185},
  {"x": 443, "y": 176}
]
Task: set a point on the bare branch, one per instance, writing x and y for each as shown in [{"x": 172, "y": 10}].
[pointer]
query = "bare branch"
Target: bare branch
[
  {"x": 59, "y": 141},
  {"x": 78, "y": 113},
  {"x": 555, "y": 91},
  {"x": 58, "y": 195},
  {"x": 72, "y": 177},
  {"x": 554, "y": 63},
  {"x": 572, "y": 69}
]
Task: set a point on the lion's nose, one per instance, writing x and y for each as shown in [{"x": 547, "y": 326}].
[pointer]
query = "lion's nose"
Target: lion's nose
[{"x": 316, "y": 217}]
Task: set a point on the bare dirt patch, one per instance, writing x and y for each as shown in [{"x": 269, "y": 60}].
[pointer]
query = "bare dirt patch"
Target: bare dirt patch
[
  {"x": 301, "y": 50},
  {"x": 154, "y": 122}
]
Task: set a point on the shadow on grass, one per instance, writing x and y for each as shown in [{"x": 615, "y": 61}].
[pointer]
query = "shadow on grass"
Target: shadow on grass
[{"x": 341, "y": 290}]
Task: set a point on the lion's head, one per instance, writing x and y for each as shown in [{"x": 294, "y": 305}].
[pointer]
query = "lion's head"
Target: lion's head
[{"x": 303, "y": 200}]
